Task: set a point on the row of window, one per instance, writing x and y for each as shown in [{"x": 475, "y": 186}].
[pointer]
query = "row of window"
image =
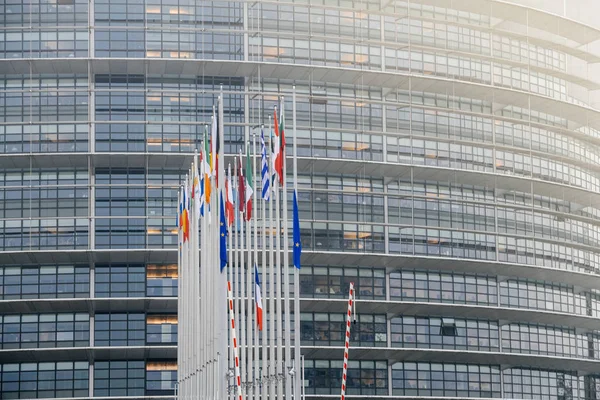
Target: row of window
[
  {"x": 134, "y": 329},
  {"x": 160, "y": 232},
  {"x": 444, "y": 33},
  {"x": 138, "y": 329},
  {"x": 167, "y": 13},
  {"x": 446, "y": 380},
  {"x": 139, "y": 378},
  {"x": 44, "y": 13},
  {"x": 323, "y": 109},
  {"x": 73, "y": 330},
  {"x": 72, "y": 379},
  {"x": 330, "y": 112},
  {"x": 138, "y": 280},
  {"x": 35, "y": 282}
]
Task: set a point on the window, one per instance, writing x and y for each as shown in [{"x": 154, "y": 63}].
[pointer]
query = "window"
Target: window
[
  {"x": 448, "y": 327},
  {"x": 334, "y": 282},
  {"x": 33, "y": 282},
  {"x": 364, "y": 377},
  {"x": 120, "y": 280},
  {"x": 44, "y": 330},
  {"x": 45, "y": 380},
  {"x": 120, "y": 330},
  {"x": 452, "y": 380},
  {"x": 161, "y": 280},
  {"x": 161, "y": 329},
  {"x": 330, "y": 329},
  {"x": 119, "y": 378},
  {"x": 160, "y": 377}
]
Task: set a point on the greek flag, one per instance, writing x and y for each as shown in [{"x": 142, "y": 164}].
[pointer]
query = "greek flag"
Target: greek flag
[{"x": 264, "y": 172}]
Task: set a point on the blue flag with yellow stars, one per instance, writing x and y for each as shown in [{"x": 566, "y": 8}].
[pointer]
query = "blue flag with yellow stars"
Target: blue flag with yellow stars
[
  {"x": 223, "y": 235},
  {"x": 297, "y": 242}
]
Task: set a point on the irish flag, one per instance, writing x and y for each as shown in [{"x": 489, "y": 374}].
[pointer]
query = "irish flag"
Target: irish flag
[{"x": 258, "y": 299}]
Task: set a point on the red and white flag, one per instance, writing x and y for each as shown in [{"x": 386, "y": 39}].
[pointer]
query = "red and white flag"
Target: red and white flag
[
  {"x": 279, "y": 148},
  {"x": 229, "y": 210}
]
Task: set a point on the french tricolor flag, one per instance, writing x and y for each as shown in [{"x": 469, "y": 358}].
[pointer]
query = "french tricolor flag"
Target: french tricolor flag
[{"x": 258, "y": 299}]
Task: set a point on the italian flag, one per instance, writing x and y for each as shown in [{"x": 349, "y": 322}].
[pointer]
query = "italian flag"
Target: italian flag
[{"x": 248, "y": 186}]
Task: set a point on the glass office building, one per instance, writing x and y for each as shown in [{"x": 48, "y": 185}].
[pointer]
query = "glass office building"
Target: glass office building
[{"x": 449, "y": 167}]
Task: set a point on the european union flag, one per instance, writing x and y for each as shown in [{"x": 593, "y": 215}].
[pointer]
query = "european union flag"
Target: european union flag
[
  {"x": 297, "y": 242},
  {"x": 223, "y": 235}
]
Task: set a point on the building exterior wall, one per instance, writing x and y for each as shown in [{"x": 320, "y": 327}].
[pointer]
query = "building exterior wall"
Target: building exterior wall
[{"x": 449, "y": 167}]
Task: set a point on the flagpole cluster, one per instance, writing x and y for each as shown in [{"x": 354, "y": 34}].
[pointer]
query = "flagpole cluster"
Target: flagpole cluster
[
  {"x": 234, "y": 269},
  {"x": 202, "y": 257}
]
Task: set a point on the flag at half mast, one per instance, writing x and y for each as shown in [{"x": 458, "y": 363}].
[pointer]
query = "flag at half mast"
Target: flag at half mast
[
  {"x": 258, "y": 299},
  {"x": 264, "y": 168},
  {"x": 248, "y": 187},
  {"x": 222, "y": 234}
]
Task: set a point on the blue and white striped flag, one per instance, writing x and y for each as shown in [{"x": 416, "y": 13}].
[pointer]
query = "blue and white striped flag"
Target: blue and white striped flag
[{"x": 264, "y": 172}]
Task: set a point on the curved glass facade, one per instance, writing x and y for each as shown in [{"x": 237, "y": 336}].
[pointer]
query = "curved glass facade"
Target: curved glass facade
[{"x": 449, "y": 166}]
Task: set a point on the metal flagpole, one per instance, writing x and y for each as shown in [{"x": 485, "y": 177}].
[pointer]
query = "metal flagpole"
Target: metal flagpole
[
  {"x": 230, "y": 271},
  {"x": 298, "y": 379},
  {"x": 179, "y": 304},
  {"x": 204, "y": 279},
  {"x": 237, "y": 251},
  {"x": 272, "y": 368},
  {"x": 234, "y": 246},
  {"x": 243, "y": 270},
  {"x": 195, "y": 269},
  {"x": 212, "y": 261},
  {"x": 186, "y": 290},
  {"x": 286, "y": 268},
  {"x": 279, "y": 328},
  {"x": 266, "y": 310},
  {"x": 222, "y": 281},
  {"x": 257, "y": 388},
  {"x": 249, "y": 270}
]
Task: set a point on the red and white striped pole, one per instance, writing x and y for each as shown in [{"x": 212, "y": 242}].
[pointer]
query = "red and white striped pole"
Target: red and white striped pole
[
  {"x": 350, "y": 297},
  {"x": 235, "y": 343}
]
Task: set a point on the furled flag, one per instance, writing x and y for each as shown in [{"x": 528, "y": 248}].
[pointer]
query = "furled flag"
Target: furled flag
[
  {"x": 202, "y": 183},
  {"x": 196, "y": 191},
  {"x": 272, "y": 140},
  {"x": 229, "y": 209},
  {"x": 296, "y": 233},
  {"x": 276, "y": 145},
  {"x": 249, "y": 188},
  {"x": 223, "y": 235},
  {"x": 258, "y": 299},
  {"x": 241, "y": 185},
  {"x": 180, "y": 210},
  {"x": 186, "y": 219},
  {"x": 206, "y": 168},
  {"x": 280, "y": 147},
  {"x": 215, "y": 147},
  {"x": 264, "y": 171}
]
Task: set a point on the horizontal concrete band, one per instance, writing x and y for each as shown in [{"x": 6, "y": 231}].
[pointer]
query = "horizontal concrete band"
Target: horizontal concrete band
[
  {"x": 391, "y": 355},
  {"x": 89, "y": 354}
]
